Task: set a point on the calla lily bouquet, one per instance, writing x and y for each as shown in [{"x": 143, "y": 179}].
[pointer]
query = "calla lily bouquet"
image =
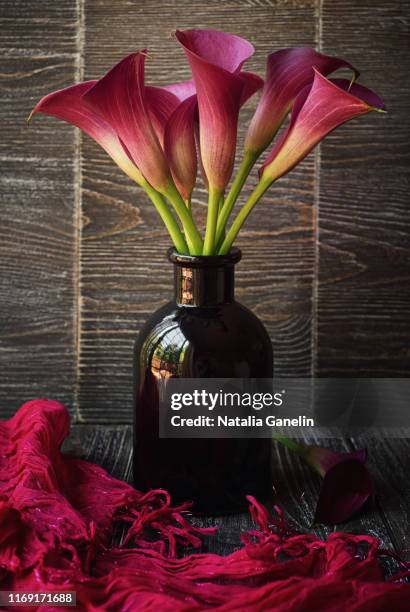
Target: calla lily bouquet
[{"x": 160, "y": 136}]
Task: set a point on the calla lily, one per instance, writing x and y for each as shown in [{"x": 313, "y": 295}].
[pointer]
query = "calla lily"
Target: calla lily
[
  {"x": 127, "y": 112},
  {"x": 68, "y": 104},
  {"x": 160, "y": 135},
  {"x": 288, "y": 72},
  {"x": 180, "y": 147},
  {"x": 251, "y": 84},
  {"x": 128, "y": 119},
  {"x": 317, "y": 110},
  {"x": 182, "y": 90},
  {"x": 216, "y": 59},
  {"x": 347, "y": 484},
  {"x": 161, "y": 103}
]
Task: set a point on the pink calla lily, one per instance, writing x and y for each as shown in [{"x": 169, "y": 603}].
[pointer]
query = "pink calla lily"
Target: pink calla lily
[
  {"x": 180, "y": 147},
  {"x": 347, "y": 484},
  {"x": 182, "y": 90},
  {"x": 251, "y": 84},
  {"x": 317, "y": 110},
  {"x": 288, "y": 72},
  {"x": 160, "y": 135},
  {"x": 161, "y": 103},
  {"x": 216, "y": 59},
  {"x": 68, "y": 104},
  {"x": 128, "y": 114}
]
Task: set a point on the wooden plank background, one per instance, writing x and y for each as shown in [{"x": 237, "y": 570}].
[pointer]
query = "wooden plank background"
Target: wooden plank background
[
  {"x": 326, "y": 257},
  {"x": 38, "y": 206}
]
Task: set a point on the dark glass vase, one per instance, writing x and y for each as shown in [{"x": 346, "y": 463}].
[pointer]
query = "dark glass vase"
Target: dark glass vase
[{"x": 202, "y": 333}]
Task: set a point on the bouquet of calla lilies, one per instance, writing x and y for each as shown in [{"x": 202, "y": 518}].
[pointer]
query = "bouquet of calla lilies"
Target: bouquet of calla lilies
[{"x": 160, "y": 136}]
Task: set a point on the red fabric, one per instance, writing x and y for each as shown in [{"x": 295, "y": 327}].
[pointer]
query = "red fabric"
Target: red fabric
[{"x": 57, "y": 516}]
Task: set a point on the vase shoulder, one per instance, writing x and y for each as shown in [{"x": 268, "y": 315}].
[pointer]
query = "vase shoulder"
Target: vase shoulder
[{"x": 225, "y": 341}]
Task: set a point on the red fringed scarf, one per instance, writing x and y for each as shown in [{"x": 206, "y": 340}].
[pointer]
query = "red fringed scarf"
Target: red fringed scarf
[{"x": 57, "y": 516}]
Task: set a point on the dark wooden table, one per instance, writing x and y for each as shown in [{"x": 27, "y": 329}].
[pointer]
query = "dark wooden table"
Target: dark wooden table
[{"x": 295, "y": 485}]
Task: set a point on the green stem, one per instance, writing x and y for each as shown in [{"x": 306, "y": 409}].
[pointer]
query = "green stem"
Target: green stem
[
  {"x": 241, "y": 217},
  {"x": 167, "y": 217},
  {"x": 246, "y": 166},
  {"x": 291, "y": 444},
  {"x": 193, "y": 237},
  {"x": 211, "y": 221}
]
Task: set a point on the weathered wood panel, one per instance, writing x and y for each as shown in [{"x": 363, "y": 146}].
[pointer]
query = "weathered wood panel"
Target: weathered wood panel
[
  {"x": 296, "y": 487},
  {"x": 124, "y": 276},
  {"x": 38, "y": 46},
  {"x": 364, "y": 216}
]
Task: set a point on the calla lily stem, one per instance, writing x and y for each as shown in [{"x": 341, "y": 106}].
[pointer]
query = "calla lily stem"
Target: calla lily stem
[
  {"x": 192, "y": 235},
  {"x": 243, "y": 214},
  {"x": 290, "y": 444},
  {"x": 211, "y": 222},
  {"x": 246, "y": 166},
  {"x": 167, "y": 217}
]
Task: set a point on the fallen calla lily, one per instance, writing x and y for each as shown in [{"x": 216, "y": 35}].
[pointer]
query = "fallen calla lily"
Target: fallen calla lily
[
  {"x": 317, "y": 110},
  {"x": 216, "y": 58},
  {"x": 288, "y": 72},
  {"x": 347, "y": 484},
  {"x": 180, "y": 148}
]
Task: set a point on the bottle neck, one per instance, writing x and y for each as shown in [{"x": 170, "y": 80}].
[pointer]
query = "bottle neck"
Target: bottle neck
[
  {"x": 204, "y": 281},
  {"x": 204, "y": 286}
]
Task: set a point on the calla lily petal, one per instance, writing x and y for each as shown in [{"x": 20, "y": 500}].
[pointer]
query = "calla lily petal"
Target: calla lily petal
[
  {"x": 161, "y": 103},
  {"x": 317, "y": 111},
  {"x": 346, "y": 487},
  {"x": 216, "y": 59},
  {"x": 126, "y": 110},
  {"x": 69, "y": 105},
  {"x": 222, "y": 49},
  {"x": 182, "y": 90},
  {"x": 288, "y": 72},
  {"x": 252, "y": 83},
  {"x": 361, "y": 92},
  {"x": 180, "y": 149},
  {"x": 323, "y": 459},
  {"x": 347, "y": 484}
]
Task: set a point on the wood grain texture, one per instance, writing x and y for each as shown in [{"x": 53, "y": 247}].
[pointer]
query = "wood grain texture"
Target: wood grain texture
[
  {"x": 296, "y": 487},
  {"x": 364, "y": 215},
  {"x": 124, "y": 274},
  {"x": 389, "y": 462},
  {"x": 38, "y": 46}
]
